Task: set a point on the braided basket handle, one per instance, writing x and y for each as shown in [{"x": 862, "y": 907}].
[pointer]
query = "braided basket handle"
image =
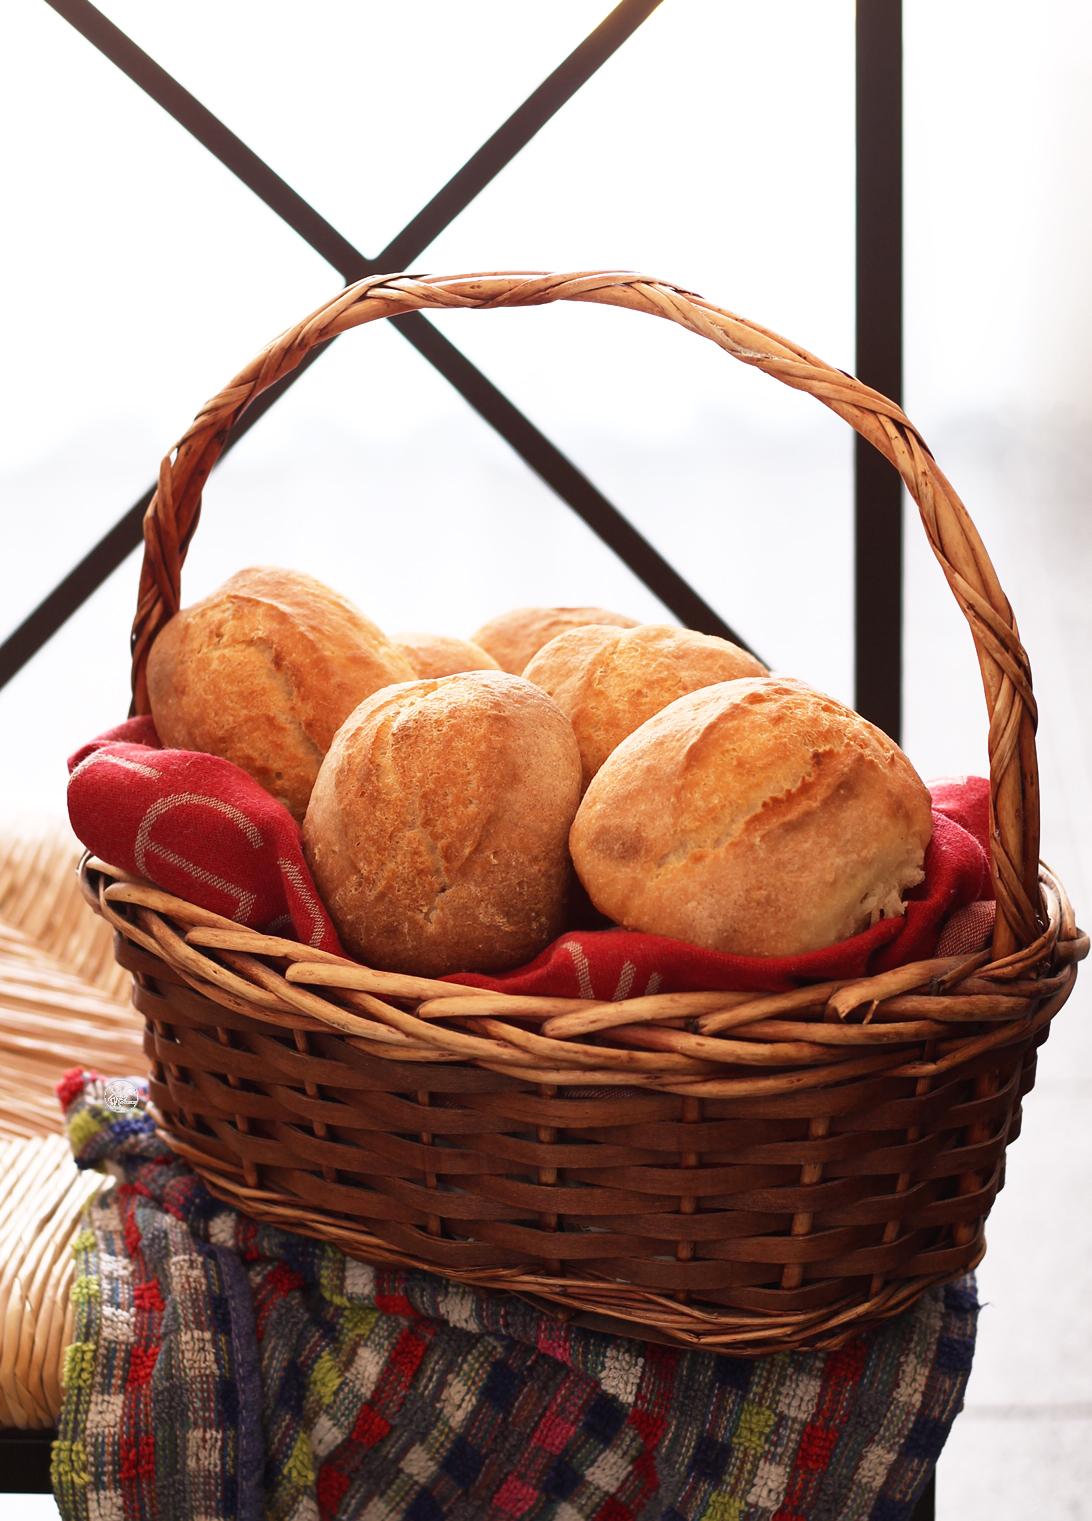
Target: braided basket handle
[{"x": 172, "y": 516}]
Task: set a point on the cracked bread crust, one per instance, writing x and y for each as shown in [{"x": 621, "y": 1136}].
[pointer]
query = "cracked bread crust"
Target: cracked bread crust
[
  {"x": 440, "y": 655},
  {"x": 757, "y": 817},
  {"x": 263, "y": 672},
  {"x": 513, "y": 638},
  {"x": 437, "y": 830},
  {"x": 609, "y": 681}
]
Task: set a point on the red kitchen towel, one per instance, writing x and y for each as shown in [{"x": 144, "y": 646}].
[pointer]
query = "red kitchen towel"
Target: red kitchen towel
[
  {"x": 617, "y": 963},
  {"x": 198, "y": 827},
  {"x": 202, "y": 829}
]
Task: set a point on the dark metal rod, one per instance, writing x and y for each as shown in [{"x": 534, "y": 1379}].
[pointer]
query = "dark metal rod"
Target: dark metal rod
[
  {"x": 877, "y": 487},
  {"x": 570, "y": 483},
  {"x": 222, "y": 143},
  {"x": 534, "y": 448},
  {"x": 24, "y": 1461},
  {"x": 483, "y": 166},
  {"x": 926, "y": 1508},
  {"x": 516, "y": 133},
  {"x": 85, "y": 578}
]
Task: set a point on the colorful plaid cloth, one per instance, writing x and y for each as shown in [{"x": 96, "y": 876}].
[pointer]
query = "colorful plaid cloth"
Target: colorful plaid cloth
[{"x": 224, "y": 1369}]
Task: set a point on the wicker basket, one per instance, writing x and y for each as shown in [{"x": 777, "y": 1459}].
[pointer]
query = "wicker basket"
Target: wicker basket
[
  {"x": 42, "y": 1199},
  {"x": 747, "y": 1171}
]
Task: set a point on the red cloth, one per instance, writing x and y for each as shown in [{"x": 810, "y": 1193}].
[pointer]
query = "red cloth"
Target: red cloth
[
  {"x": 202, "y": 829},
  {"x": 198, "y": 827},
  {"x": 966, "y": 801},
  {"x": 621, "y": 964}
]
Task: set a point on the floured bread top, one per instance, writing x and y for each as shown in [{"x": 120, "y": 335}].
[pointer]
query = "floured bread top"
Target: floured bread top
[
  {"x": 609, "y": 681},
  {"x": 512, "y": 638},
  {"x": 758, "y": 817},
  {"x": 263, "y": 672},
  {"x": 440, "y": 655},
  {"x": 437, "y": 830}
]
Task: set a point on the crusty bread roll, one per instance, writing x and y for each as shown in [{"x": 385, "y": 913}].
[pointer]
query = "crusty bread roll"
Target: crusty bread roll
[
  {"x": 263, "y": 672},
  {"x": 514, "y": 637},
  {"x": 438, "y": 826},
  {"x": 758, "y": 817},
  {"x": 609, "y": 681},
  {"x": 439, "y": 655}
]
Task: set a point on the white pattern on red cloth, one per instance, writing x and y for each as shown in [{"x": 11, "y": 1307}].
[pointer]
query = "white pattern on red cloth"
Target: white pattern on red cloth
[{"x": 222, "y": 842}]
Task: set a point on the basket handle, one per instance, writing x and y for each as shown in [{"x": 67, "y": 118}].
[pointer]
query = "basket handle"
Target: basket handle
[{"x": 172, "y": 516}]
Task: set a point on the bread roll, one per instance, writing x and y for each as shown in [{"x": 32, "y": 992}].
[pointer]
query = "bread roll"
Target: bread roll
[
  {"x": 609, "y": 681},
  {"x": 514, "y": 637},
  {"x": 437, "y": 831},
  {"x": 758, "y": 817},
  {"x": 263, "y": 672},
  {"x": 439, "y": 655}
]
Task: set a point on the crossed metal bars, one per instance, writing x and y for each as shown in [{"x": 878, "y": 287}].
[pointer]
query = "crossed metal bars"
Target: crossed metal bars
[{"x": 879, "y": 239}]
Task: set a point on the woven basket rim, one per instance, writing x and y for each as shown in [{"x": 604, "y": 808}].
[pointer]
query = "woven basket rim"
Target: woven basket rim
[{"x": 815, "y": 1036}]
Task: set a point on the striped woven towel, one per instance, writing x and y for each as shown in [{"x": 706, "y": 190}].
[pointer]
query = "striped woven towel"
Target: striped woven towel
[{"x": 223, "y": 1369}]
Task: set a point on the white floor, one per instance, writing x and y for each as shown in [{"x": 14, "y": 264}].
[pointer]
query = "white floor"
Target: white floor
[{"x": 30, "y": 1508}]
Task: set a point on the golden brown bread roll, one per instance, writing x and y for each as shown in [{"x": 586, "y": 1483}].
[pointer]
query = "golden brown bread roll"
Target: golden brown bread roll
[
  {"x": 758, "y": 817},
  {"x": 264, "y": 672},
  {"x": 439, "y": 655},
  {"x": 609, "y": 681},
  {"x": 437, "y": 830},
  {"x": 514, "y": 637}
]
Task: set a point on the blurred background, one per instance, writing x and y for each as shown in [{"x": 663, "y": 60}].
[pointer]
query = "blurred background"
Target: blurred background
[{"x": 714, "y": 150}]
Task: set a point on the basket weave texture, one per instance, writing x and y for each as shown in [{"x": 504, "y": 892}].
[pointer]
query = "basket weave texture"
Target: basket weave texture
[
  {"x": 42, "y": 1199},
  {"x": 63, "y": 998},
  {"x": 748, "y": 1171}
]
